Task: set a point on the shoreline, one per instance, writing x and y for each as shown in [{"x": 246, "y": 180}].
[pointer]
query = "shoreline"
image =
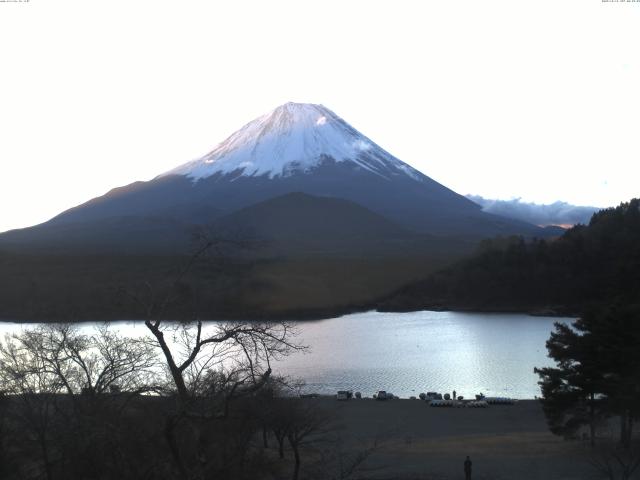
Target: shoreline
[
  {"x": 305, "y": 316},
  {"x": 329, "y": 396}
]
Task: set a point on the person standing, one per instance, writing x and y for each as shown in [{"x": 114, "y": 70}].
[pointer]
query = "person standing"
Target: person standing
[
  {"x": 467, "y": 468},
  {"x": 454, "y": 395}
]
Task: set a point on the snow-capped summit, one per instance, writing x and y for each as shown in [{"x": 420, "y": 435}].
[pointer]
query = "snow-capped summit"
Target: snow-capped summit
[{"x": 293, "y": 138}]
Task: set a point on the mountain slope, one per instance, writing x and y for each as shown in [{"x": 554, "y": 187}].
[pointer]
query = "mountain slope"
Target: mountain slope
[
  {"x": 122, "y": 235},
  {"x": 298, "y": 223},
  {"x": 296, "y": 148},
  {"x": 298, "y": 216}
]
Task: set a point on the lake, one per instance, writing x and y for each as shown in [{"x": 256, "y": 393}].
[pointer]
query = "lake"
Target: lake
[{"x": 410, "y": 353}]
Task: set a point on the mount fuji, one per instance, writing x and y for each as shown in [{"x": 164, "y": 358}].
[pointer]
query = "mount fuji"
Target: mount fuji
[
  {"x": 296, "y": 148},
  {"x": 294, "y": 138}
]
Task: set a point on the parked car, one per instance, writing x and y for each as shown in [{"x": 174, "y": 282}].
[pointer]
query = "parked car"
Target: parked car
[{"x": 343, "y": 395}]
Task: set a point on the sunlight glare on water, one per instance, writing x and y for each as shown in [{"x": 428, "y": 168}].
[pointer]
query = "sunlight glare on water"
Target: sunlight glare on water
[{"x": 410, "y": 353}]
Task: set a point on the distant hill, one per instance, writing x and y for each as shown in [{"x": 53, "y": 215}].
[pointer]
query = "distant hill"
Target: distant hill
[
  {"x": 299, "y": 217},
  {"x": 557, "y": 213},
  {"x": 596, "y": 263},
  {"x": 298, "y": 224}
]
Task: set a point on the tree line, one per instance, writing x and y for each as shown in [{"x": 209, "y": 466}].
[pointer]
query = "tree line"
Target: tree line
[{"x": 587, "y": 266}]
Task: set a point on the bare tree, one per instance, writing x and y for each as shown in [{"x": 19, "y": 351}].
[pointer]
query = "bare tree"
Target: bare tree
[
  {"x": 614, "y": 462},
  {"x": 241, "y": 351},
  {"x": 305, "y": 424},
  {"x": 61, "y": 359},
  {"x": 33, "y": 392},
  {"x": 349, "y": 462},
  {"x": 208, "y": 365},
  {"x": 311, "y": 431},
  {"x": 59, "y": 379},
  {"x": 271, "y": 407}
]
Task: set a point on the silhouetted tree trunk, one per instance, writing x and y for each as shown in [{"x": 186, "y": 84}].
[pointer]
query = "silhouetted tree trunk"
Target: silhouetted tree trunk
[
  {"x": 44, "y": 448},
  {"x": 592, "y": 420},
  {"x": 170, "y": 436},
  {"x": 280, "y": 436},
  {"x": 626, "y": 428},
  {"x": 296, "y": 456}
]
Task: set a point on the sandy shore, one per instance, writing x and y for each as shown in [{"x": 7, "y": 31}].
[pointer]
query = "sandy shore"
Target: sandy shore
[{"x": 422, "y": 442}]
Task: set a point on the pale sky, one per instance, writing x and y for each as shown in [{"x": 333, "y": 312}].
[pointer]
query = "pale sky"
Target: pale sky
[{"x": 534, "y": 99}]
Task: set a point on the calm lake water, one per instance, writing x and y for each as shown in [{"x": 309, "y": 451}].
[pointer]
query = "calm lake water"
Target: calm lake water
[{"x": 409, "y": 353}]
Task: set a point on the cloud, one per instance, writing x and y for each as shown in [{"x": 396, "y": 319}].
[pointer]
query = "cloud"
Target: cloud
[{"x": 557, "y": 213}]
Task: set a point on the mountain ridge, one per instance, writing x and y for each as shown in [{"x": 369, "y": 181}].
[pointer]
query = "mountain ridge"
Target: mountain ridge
[{"x": 295, "y": 148}]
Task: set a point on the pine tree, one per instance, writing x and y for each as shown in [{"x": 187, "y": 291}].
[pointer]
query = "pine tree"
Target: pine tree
[
  {"x": 572, "y": 393},
  {"x": 597, "y": 373},
  {"x": 617, "y": 331}
]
